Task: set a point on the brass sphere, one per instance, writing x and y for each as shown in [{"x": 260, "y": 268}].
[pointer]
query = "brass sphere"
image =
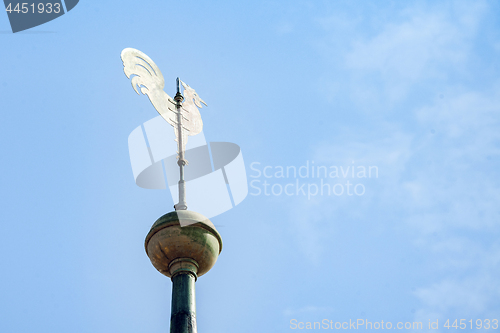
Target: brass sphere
[{"x": 172, "y": 248}]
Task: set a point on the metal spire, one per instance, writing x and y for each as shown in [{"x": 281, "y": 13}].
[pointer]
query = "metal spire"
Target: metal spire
[
  {"x": 180, "y": 144},
  {"x": 193, "y": 253}
]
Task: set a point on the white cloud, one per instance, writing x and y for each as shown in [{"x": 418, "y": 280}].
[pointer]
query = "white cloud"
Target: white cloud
[
  {"x": 389, "y": 154},
  {"x": 422, "y": 42},
  {"x": 439, "y": 163},
  {"x": 409, "y": 50},
  {"x": 473, "y": 297},
  {"x": 457, "y": 178}
]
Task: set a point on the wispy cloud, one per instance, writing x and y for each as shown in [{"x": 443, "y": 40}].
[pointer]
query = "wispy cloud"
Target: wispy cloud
[
  {"x": 422, "y": 43},
  {"x": 439, "y": 162},
  {"x": 473, "y": 297}
]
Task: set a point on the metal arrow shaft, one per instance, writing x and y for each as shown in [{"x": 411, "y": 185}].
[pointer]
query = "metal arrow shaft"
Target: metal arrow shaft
[{"x": 180, "y": 147}]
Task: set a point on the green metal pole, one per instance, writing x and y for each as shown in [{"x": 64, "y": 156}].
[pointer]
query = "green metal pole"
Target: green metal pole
[
  {"x": 183, "y": 319},
  {"x": 192, "y": 251}
]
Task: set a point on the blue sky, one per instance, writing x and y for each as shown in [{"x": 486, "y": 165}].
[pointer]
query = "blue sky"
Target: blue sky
[{"x": 410, "y": 87}]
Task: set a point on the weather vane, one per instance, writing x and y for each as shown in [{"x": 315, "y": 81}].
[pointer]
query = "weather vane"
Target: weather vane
[{"x": 182, "y": 115}]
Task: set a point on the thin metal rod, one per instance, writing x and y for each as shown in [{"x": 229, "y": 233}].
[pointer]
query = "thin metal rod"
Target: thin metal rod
[{"x": 180, "y": 147}]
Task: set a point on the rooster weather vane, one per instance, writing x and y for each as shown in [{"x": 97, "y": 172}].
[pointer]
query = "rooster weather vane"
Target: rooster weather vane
[{"x": 182, "y": 115}]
